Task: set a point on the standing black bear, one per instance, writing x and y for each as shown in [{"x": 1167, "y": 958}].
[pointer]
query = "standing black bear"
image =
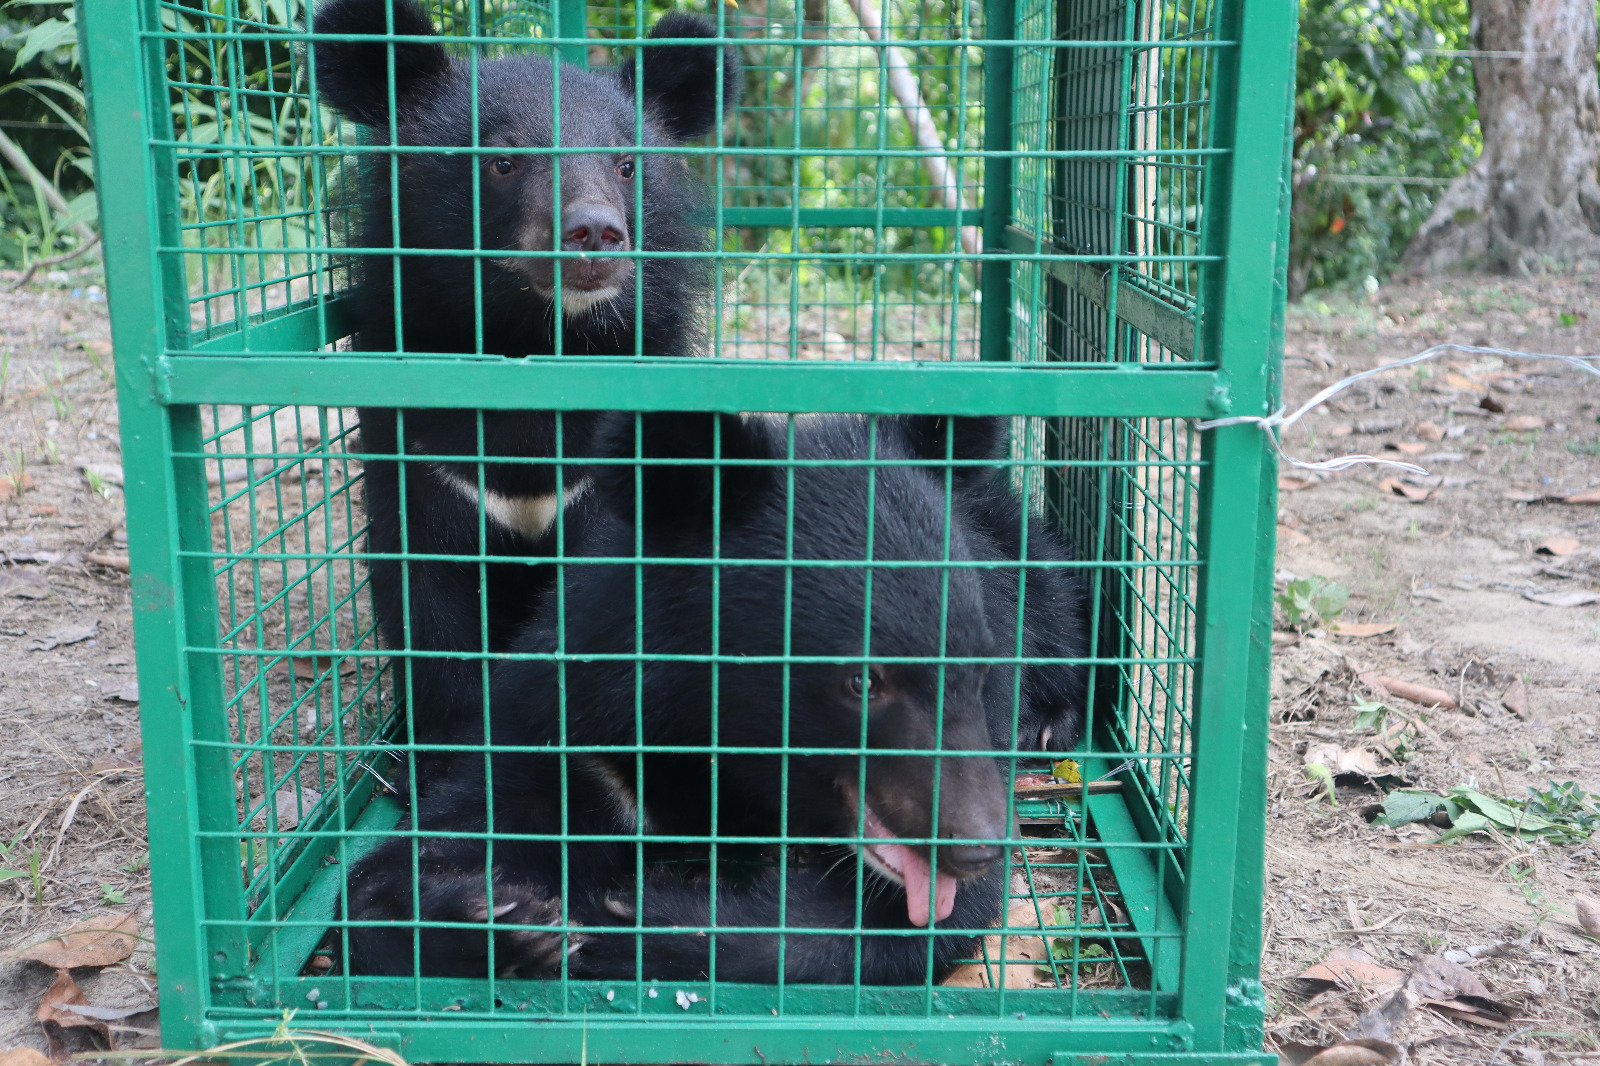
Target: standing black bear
[
  {"x": 855, "y": 677},
  {"x": 505, "y": 301}
]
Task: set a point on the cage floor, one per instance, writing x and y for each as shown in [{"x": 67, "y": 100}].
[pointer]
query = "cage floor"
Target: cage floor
[{"x": 1087, "y": 920}]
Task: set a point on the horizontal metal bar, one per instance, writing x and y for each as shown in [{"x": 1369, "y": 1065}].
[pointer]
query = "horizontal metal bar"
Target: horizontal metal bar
[
  {"x": 1162, "y": 322},
  {"x": 584, "y": 384},
  {"x": 187, "y": 150},
  {"x": 816, "y": 1026},
  {"x": 280, "y": 35},
  {"x": 849, "y": 217},
  {"x": 310, "y": 325}
]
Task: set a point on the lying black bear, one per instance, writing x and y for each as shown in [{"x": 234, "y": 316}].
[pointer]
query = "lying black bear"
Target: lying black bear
[
  {"x": 928, "y": 728},
  {"x": 504, "y": 304}
]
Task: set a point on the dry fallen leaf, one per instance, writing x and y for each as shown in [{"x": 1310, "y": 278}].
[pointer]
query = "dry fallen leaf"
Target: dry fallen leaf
[
  {"x": 1022, "y": 955},
  {"x": 1515, "y": 699},
  {"x": 1410, "y": 447},
  {"x": 64, "y": 635},
  {"x": 8, "y": 486},
  {"x": 127, "y": 692},
  {"x": 1362, "y": 629},
  {"x": 309, "y": 668},
  {"x": 1588, "y": 914},
  {"x": 1362, "y": 1052},
  {"x": 24, "y": 583},
  {"x": 1456, "y": 992},
  {"x": 125, "y": 761},
  {"x": 1412, "y": 493},
  {"x": 109, "y": 473},
  {"x": 100, "y": 941},
  {"x": 1406, "y": 690},
  {"x": 23, "y": 1056},
  {"x": 1556, "y": 546},
  {"x": 1586, "y": 496},
  {"x": 1360, "y": 761},
  {"x": 1351, "y": 968},
  {"x": 1524, "y": 423},
  {"x": 1464, "y": 383},
  {"x": 1576, "y": 598},
  {"x": 1291, "y": 536},
  {"x": 66, "y": 993},
  {"x": 1290, "y": 483},
  {"x": 1430, "y": 431}
]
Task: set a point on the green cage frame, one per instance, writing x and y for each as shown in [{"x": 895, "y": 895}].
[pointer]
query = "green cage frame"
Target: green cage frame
[{"x": 1082, "y": 257}]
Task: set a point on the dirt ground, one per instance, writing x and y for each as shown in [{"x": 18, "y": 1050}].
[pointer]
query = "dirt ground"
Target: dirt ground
[{"x": 1450, "y": 560}]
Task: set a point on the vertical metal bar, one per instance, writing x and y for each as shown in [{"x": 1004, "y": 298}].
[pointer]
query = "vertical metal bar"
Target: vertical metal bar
[
  {"x": 166, "y": 505},
  {"x": 1246, "y": 1005},
  {"x": 1235, "y": 515},
  {"x": 572, "y": 20},
  {"x": 999, "y": 23}
]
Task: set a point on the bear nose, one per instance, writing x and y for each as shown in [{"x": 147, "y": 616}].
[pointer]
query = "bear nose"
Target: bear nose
[
  {"x": 593, "y": 228},
  {"x": 968, "y": 860}
]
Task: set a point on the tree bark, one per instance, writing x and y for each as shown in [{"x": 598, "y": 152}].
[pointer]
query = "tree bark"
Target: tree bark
[{"x": 1530, "y": 200}]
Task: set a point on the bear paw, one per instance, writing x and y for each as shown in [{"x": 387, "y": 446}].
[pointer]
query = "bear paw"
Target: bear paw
[{"x": 525, "y": 952}]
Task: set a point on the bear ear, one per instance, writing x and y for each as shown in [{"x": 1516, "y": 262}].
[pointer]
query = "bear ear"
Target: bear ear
[
  {"x": 965, "y": 438},
  {"x": 680, "y": 80},
  {"x": 353, "y": 76},
  {"x": 680, "y": 495}
]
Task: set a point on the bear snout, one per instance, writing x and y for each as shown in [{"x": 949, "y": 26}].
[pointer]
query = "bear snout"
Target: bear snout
[
  {"x": 968, "y": 860},
  {"x": 593, "y": 228}
]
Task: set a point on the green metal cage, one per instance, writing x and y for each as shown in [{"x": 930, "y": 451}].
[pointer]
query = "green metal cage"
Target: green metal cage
[{"x": 1095, "y": 250}]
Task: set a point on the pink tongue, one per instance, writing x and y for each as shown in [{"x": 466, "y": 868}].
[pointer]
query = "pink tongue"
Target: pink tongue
[{"x": 913, "y": 867}]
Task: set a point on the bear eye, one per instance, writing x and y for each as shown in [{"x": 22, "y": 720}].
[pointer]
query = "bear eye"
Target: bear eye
[
  {"x": 502, "y": 165},
  {"x": 625, "y": 169},
  {"x": 871, "y": 683}
]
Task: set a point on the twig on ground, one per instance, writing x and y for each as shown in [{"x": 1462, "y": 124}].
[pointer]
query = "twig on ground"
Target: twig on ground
[{"x": 54, "y": 260}]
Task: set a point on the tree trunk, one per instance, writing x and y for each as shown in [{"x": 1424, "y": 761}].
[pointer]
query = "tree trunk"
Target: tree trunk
[{"x": 1530, "y": 200}]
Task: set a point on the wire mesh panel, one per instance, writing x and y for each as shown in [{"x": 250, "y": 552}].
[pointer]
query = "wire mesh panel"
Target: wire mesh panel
[{"x": 683, "y": 537}]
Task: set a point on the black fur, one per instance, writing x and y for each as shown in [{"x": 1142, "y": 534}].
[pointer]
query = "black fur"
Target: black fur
[
  {"x": 758, "y": 795},
  {"x": 1054, "y": 597},
  {"x": 504, "y": 304}
]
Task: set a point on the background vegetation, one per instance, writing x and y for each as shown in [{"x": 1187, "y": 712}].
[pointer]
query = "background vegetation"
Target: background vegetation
[{"x": 1384, "y": 117}]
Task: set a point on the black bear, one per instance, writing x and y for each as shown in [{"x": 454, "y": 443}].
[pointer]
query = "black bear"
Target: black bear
[
  {"x": 501, "y": 200},
  {"x": 899, "y": 711},
  {"x": 1053, "y": 595}
]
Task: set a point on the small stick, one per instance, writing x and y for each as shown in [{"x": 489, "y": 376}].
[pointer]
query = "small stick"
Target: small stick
[
  {"x": 54, "y": 260},
  {"x": 56, "y": 384},
  {"x": 1067, "y": 791}
]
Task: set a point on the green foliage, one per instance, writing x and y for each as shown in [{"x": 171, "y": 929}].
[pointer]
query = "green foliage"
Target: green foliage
[
  {"x": 13, "y": 853},
  {"x": 1374, "y": 99},
  {"x": 1371, "y": 714},
  {"x": 1567, "y": 804},
  {"x": 42, "y": 110},
  {"x": 1312, "y": 601},
  {"x": 1562, "y": 814}
]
